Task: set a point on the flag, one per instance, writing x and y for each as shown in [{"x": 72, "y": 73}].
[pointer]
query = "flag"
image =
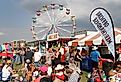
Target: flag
[{"x": 102, "y": 21}]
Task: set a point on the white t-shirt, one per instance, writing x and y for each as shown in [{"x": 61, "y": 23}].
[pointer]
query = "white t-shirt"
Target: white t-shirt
[
  {"x": 119, "y": 57},
  {"x": 49, "y": 71},
  {"x": 6, "y": 72},
  {"x": 62, "y": 51},
  {"x": 37, "y": 56}
]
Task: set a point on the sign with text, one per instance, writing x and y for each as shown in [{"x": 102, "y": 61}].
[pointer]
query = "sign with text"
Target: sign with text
[
  {"x": 80, "y": 32},
  {"x": 102, "y": 21},
  {"x": 52, "y": 37}
]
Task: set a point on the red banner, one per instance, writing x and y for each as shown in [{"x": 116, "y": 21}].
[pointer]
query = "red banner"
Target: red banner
[{"x": 7, "y": 54}]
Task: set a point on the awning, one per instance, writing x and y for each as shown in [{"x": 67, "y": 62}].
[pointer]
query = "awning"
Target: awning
[{"x": 96, "y": 38}]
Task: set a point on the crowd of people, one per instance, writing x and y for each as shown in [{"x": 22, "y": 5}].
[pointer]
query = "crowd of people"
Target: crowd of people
[{"x": 59, "y": 64}]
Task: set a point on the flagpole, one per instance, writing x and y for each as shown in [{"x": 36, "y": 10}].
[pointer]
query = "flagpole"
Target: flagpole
[
  {"x": 114, "y": 37},
  {"x": 113, "y": 33}
]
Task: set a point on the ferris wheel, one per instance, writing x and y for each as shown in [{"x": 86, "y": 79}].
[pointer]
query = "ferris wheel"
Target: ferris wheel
[{"x": 53, "y": 18}]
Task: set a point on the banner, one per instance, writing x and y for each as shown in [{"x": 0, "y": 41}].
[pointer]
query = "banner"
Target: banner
[
  {"x": 52, "y": 37},
  {"x": 7, "y": 54},
  {"x": 102, "y": 21}
]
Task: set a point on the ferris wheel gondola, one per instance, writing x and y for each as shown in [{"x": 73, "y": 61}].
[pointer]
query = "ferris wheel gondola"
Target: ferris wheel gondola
[{"x": 53, "y": 18}]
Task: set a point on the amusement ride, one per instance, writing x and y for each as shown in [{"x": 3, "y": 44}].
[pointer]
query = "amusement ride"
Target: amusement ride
[{"x": 53, "y": 18}]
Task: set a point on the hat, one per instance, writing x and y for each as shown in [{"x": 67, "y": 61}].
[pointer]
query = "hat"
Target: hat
[
  {"x": 9, "y": 61},
  {"x": 73, "y": 67},
  {"x": 28, "y": 61},
  {"x": 43, "y": 69},
  {"x": 60, "y": 73},
  {"x": 94, "y": 48},
  {"x": 59, "y": 67}
]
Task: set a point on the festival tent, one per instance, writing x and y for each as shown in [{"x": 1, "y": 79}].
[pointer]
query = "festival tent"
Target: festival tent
[
  {"x": 96, "y": 38},
  {"x": 80, "y": 37},
  {"x": 75, "y": 42}
]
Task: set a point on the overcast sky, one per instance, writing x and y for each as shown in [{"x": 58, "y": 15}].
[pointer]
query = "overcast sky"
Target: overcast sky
[{"x": 15, "y": 15}]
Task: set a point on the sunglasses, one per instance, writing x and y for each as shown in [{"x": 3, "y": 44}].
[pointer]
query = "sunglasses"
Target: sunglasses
[{"x": 118, "y": 67}]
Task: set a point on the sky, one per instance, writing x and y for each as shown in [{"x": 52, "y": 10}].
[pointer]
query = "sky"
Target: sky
[{"x": 16, "y": 15}]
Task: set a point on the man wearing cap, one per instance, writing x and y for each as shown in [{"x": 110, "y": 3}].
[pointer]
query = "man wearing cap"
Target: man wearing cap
[
  {"x": 7, "y": 71},
  {"x": 95, "y": 56},
  {"x": 59, "y": 75}
]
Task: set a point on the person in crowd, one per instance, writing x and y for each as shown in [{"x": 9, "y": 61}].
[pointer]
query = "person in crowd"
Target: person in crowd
[
  {"x": 28, "y": 74},
  {"x": 63, "y": 54},
  {"x": 95, "y": 56},
  {"x": 22, "y": 55},
  {"x": 49, "y": 53},
  {"x": 4, "y": 58},
  {"x": 119, "y": 58},
  {"x": 84, "y": 53},
  {"x": 115, "y": 73},
  {"x": 67, "y": 55},
  {"x": 28, "y": 57},
  {"x": 17, "y": 51},
  {"x": 59, "y": 73},
  {"x": 57, "y": 59},
  {"x": 14, "y": 54},
  {"x": 78, "y": 58},
  {"x": 43, "y": 60},
  {"x": 72, "y": 53},
  {"x": 35, "y": 74},
  {"x": 86, "y": 61},
  {"x": 73, "y": 75},
  {"x": 37, "y": 57},
  {"x": 43, "y": 74},
  {"x": 1, "y": 66},
  {"x": 49, "y": 65},
  {"x": 53, "y": 58},
  {"x": 7, "y": 71},
  {"x": 97, "y": 75}
]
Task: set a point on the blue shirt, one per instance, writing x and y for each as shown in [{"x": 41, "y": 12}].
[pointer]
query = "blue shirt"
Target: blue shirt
[{"x": 95, "y": 55}]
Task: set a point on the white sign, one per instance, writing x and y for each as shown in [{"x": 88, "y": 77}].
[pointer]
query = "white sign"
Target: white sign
[
  {"x": 52, "y": 37},
  {"x": 102, "y": 21},
  {"x": 80, "y": 32}
]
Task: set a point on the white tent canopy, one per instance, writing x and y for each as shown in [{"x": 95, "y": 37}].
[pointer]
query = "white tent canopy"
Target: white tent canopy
[{"x": 95, "y": 38}]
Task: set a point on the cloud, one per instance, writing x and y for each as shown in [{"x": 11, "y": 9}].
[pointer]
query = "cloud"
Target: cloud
[
  {"x": 1, "y": 33},
  {"x": 15, "y": 34},
  {"x": 33, "y": 5},
  {"x": 80, "y": 8}
]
